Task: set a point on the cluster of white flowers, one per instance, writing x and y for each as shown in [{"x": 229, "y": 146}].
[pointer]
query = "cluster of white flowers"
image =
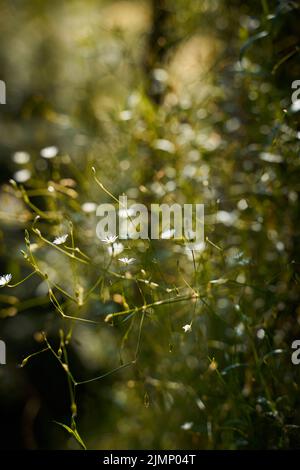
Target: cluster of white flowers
[{"x": 115, "y": 249}]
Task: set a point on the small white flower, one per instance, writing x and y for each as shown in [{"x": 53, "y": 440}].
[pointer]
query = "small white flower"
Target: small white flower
[
  {"x": 125, "y": 115},
  {"x": 261, "y": 333},
  {"x": 193, "y": 248},
  {"x": 239, "y": 329},
  {"x": 187, "y": 328},
  {"x": 21, "y": 176},
  {"x": 115, "y": 249},
  {"x": 200, "y": 404},
  {"x": 49, "y": 152},
  {"x": 167, "y": 234},
  {"x": 187, "y": 426},
  {"x": 226, "y": 218},
  {"x": 127, "y": 261},
  {"x": 21, "y": 157},
  {"x": 270, "y": 157},
  {"x": 242, "y": 204},
  {"x": 165, "y": 145},
  {"x": 295, "y": 106},
  {"x": 110, "y": 239},
  {"x": 160, "y": 75},
  {"x": 218, "y": 281},
  {"x": 89, "y": 207},
  {"x": 5, "y": 279},
  {"x": 60, "y": 240}
]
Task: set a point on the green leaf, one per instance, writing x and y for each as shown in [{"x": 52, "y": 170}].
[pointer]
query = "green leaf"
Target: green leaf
[{"x": 74, "y": 433}]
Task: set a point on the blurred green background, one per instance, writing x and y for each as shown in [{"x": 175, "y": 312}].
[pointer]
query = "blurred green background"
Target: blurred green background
[{"x": 182, "y": 101}]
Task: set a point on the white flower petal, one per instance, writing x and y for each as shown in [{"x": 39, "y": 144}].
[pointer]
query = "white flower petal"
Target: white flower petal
[
  {"x": 127, "y": 260},
  {"x": 110, "y": 239},
  {"x": 5, "y": 279},
  {"x": 89, "y": 207},
  {"x": 295, "y": 106},
  {"x": 270, "y": 157},
  {"x": 125, "y": 115},
  {"x": 60, "y": 240},
  {"x": 165, "y": 145},
  {"x": 187, "y": 328},
  {"x": 218, "y": 281},
  {"x": 21, "y": 176},
  {"x": 21, "y": 157},
  {"x": 187, "y": 426},
  {"x": 167, "y": 234},
  {"x": 115, "y": 249},
  {"x": 49, "y": 152}
]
